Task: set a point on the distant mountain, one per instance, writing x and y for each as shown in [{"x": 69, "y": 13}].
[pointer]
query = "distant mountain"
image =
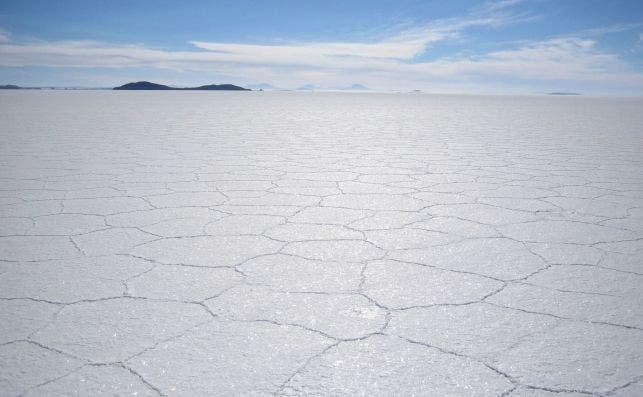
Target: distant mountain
[
  {"x": 15, "y": 87},
  {"x": 308, "y": 87},
  {"x": 146, "y": 85},
  {"x": 357, "y": 87},
  {"x": 219, "y": 87},
  {"x": 563, "y": 93},
  {"x": 143, "y": 85}
]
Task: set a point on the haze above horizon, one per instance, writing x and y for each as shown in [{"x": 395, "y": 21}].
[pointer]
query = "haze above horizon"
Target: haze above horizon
[{"x": 502, "y": 46}]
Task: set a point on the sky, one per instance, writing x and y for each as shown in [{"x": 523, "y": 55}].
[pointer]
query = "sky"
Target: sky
[{"x": 454, "y": 46}]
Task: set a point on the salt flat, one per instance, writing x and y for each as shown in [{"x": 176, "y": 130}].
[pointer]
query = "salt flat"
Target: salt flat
[{"x": 257, "y": 243}]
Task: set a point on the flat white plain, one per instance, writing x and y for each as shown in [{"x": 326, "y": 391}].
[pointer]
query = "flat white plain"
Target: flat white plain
[{"x": 251, "y": 243}]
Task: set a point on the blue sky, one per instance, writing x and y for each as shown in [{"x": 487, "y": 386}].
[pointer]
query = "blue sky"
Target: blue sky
[{"x": 498, "y": 46}]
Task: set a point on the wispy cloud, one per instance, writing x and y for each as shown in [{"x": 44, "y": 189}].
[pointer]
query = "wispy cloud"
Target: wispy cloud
[
  {"x": 401, "y": 46},
  {"x": 4, "y": 36},
  {"x": 603, "y": 30},
  {"x": 501, "y": 4},
  {"x": 404, "y": 45}
]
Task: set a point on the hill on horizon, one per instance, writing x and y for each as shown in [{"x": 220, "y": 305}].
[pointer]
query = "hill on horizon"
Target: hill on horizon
[
  {"x": 309, "y": 87},
  {"x": 562, "y": 93},
  {"x": 146, "y": 85},
  {"x": 357, "y": 86}
]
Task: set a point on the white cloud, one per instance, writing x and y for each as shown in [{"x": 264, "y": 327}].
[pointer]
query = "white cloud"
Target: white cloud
[
  {"x": 302, "y": 53},
  {"x": 497, "y": 5},
  {"x": 405, "y": 45},
  {"x": 603, "y": 30},
  {"x": 384, "y": 53}
]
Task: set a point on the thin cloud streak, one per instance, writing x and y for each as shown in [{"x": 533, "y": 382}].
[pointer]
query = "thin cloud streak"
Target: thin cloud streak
[
  {"x": 4, "y": 36},
  {"x": 405, "y": 45}
]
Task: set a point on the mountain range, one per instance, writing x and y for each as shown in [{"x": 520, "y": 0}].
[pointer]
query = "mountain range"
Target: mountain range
[{"x": 146, "y": 85}]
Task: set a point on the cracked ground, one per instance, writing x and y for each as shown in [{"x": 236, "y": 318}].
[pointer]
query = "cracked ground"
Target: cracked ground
[{"x": 201, "y": 243}]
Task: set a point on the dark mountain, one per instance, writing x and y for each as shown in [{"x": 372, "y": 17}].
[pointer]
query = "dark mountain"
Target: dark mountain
[
  {"x": 220, "y": 87},
  {"x": 308, "y": 87},
  {"x": 9, "y": 87},
  {"x": 146, "y": 85},
  {"x": 143, "y": 85},
  {"x": 357, "y": 86},
  {"x": 563, "y": 93}
]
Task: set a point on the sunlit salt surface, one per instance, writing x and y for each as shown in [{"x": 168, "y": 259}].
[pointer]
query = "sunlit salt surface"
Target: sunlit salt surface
[{"x": 225, "y": 243}]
